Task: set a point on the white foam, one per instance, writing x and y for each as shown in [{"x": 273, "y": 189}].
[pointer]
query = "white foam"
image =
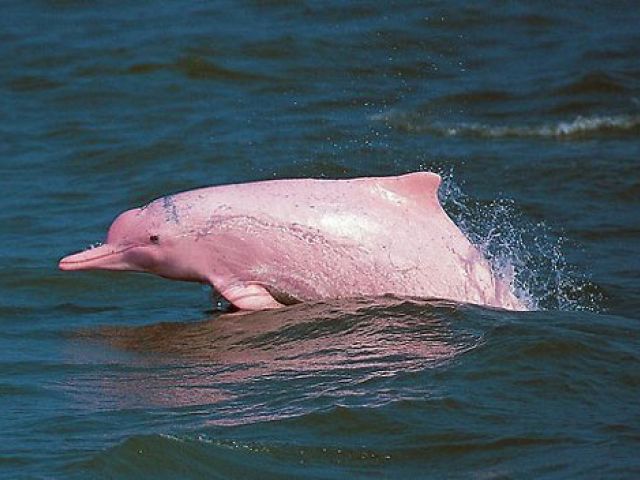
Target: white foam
[{"x": 580, "y": 126}]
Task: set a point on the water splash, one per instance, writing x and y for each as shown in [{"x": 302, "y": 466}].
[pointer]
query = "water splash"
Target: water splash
[{"x": 525, "y": 254}]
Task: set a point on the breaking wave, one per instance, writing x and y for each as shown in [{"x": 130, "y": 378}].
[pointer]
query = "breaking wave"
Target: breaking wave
[{"x": 580, "y": 127}]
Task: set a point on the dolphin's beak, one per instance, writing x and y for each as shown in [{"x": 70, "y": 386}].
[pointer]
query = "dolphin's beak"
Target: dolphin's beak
[{"x": 104, "y": 257}]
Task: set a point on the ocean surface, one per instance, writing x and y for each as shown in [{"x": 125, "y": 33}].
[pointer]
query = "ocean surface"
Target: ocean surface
[{"x": 529, "y": 110}]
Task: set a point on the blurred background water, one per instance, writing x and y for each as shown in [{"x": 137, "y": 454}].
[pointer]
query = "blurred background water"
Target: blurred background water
[{"x": 531, "y": 110}]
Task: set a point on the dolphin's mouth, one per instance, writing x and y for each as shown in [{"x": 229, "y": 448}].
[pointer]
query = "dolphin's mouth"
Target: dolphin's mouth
[{"x": 104, "y": 257}]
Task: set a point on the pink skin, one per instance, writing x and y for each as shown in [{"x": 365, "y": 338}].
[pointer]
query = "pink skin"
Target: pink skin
[{"x": 265, "y": 244}]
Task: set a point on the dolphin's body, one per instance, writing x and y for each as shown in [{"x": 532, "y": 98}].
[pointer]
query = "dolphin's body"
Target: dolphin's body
[{"x": 266, "y": 244}]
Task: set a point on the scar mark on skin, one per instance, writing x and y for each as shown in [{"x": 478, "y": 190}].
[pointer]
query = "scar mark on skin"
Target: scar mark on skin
[{"x": 170, "y": 209}]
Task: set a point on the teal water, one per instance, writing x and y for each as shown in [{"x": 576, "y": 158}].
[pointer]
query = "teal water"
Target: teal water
[{"x": 530, "y": 111}]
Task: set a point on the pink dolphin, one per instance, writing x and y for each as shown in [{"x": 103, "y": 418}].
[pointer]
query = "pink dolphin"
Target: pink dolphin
[{"x": 267, "y": 244}]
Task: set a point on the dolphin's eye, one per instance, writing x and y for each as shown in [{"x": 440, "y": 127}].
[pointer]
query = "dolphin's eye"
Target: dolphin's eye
[{"x": 154, "y": 239}]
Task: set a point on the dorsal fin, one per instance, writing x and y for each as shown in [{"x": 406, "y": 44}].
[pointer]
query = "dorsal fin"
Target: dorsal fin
[{"x": 420, "y": 187}]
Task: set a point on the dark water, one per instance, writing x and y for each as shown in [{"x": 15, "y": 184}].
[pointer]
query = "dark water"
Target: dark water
[{"x": 531, "y": 111}]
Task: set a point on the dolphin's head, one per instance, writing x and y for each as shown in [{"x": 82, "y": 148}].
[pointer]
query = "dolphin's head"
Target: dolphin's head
[{"x": 148, "y": 239}]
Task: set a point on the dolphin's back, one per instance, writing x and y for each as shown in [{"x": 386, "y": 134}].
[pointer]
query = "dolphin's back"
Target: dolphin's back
[{"x": 310, "y": 239}]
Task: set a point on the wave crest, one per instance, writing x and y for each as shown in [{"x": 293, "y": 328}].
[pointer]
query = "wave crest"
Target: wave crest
[{"x": 580, "y": 127}]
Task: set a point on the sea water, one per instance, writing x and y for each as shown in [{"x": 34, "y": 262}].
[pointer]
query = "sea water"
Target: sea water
[{"x": 530, "y": 111}]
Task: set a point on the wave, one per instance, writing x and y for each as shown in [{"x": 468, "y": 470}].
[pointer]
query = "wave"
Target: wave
[
  {"x": 350, "y": 348},
  {"x": 594, "y": 83},
  {"x": 573, "y": 375},
  {"x": 580, "y": 127}
]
